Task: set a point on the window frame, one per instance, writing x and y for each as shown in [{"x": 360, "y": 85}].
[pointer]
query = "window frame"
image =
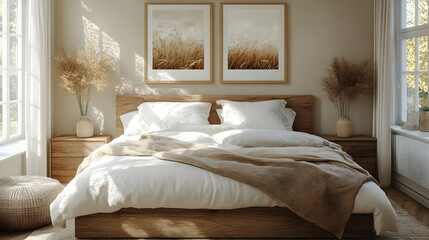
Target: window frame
[
  {"x": 7, "y": 70},
  {"x": 404, "y": 33}
]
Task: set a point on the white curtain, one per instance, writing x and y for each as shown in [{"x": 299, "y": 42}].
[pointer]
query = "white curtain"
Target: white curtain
[
  {"x": 37, "y": 85},
  {"x": 384, "y": 57}
]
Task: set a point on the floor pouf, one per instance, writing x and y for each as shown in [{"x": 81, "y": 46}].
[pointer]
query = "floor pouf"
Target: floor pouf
[{"x": 25, "y": 200}]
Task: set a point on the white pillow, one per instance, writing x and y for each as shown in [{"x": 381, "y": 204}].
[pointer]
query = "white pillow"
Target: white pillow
[
  {"x": 270, "y": 138},
  {"x": 207, "y": 129},
  {"x": 154, "y": 116},
  {"x": 288, "y": 116},
  {"x": 258, "y": 115},
  {"x": 131, "y": 124}
]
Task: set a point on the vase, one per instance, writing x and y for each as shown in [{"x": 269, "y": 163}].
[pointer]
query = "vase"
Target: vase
[
  {"x": 84, "y": 127},
  {"x": 344, "y": 127},
  {"x": 424, "y": 121}
]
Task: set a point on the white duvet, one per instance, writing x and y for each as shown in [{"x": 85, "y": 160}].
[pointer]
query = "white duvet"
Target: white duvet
[{"x": 147, "y": 182}]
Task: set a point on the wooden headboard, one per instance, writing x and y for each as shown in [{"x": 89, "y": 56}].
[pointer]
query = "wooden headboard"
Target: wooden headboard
[{"x": 301, "y": 104}]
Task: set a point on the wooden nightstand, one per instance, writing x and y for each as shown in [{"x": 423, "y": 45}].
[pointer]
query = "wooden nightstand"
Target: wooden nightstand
[
  {"x": 363, "y": 150},
  {"x": 68, "y": 151}
]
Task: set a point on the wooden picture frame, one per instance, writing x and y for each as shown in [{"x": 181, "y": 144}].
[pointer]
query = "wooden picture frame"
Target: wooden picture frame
[
  {"x": 241, "y": 28},
  {"x": 178, "y": 28}
]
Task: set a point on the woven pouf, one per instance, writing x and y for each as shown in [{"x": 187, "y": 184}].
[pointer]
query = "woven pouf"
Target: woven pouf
[{"x": 25, "y": 200}]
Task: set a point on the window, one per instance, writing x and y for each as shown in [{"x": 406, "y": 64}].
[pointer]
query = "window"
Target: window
[
  {"x": 414, "y": 38},
  {"x": 11, "y": 84}
]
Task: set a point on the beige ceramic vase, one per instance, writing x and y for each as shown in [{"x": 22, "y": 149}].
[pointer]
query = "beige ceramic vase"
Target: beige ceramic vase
[
  {"x": 424, "y": 121},
  {"x": 84, "y": 127},
  {"x": 344, "y": 127}
]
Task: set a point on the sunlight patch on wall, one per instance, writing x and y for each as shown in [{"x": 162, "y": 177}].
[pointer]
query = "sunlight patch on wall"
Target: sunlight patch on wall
[
  {"x": 106, "y": 44},
  {"x": 139, "y": 66},
  {"x": 111, "y": 46},
  {"x": 91, "y": 32},
  {"x": 125, "y": 86},
  {"x": 85, "y": 7},
  {"x": 129, "y": 86},
  {"x": 164, "y": 75},
  {"x": 97, "y": 117},
  {"x": 103, "y": 40}
]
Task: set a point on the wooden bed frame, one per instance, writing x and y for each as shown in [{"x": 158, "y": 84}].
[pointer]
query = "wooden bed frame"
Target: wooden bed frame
[{"x": 257, "y": 222}]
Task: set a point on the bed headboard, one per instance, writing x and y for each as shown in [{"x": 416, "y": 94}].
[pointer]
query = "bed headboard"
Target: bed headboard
[{"x": 301, "y": 104}]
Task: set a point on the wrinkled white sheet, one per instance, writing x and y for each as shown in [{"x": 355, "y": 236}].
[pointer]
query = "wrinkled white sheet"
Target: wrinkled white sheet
[{"x": 147, "y": 182}]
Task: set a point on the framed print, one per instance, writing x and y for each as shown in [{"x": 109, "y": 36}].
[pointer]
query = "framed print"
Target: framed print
[
  {"x": 253, "y": 43},
  {"x": 178, "y": 42}
]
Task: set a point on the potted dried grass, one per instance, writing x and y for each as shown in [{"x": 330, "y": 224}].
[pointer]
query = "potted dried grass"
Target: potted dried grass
[
  {"x": 82, "y": 74},
  {"x": 343, "y": 85}
]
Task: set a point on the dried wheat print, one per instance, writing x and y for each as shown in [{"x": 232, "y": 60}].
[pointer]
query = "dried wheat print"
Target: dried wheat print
[
  {"x": 253, "y": 39},
  {"x": 252, "y": 55},
  {"x": 177, "y": 40}
]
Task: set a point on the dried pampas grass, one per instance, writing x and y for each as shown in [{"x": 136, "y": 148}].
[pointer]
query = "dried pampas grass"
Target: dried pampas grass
[
  {"x": 79, "y": 75},
  {"x": 346, "y": 82}
]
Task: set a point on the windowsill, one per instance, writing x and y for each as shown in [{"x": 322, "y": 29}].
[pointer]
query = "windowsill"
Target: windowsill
[
  {"x": 415, "y": 134},
  {"x": 10, "y": 150}
]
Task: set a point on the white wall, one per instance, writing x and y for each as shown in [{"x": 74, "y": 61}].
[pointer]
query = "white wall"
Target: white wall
[
  {"x": 318, "y": 30},
  {"x": 13, "y": 166}
]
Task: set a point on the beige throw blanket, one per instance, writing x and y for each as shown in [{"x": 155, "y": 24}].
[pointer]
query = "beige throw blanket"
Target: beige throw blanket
[{"x": 317, "y": 183}]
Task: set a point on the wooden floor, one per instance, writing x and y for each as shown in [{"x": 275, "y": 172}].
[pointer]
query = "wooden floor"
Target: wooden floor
[
  {"x": 414, "y": 208},
  {"x": 410, "y": 205},
  {"x": 14, "y": 235}
]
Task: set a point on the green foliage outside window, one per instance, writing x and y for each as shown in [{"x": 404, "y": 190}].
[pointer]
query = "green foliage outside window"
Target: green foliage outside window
[{"x": 421, "y": 66}]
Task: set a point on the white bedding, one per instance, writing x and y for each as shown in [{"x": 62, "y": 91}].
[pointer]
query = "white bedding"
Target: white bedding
[{"x": 146, "y": 182}]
